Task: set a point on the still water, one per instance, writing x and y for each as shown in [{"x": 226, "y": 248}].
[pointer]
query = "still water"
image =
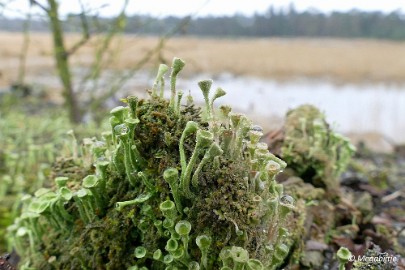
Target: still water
[{"x": 350, "y": 108}]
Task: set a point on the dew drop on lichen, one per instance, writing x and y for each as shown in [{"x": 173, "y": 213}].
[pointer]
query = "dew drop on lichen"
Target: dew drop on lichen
[
  {"x": 256, "y": 128},
  {"x": 287, "y": 199}
]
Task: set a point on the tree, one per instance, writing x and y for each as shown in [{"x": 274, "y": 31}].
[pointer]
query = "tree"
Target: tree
[{"x": 62, "y": 54}]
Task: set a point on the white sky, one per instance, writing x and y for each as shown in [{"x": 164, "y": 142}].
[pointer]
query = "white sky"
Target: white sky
[{"x": 208, "y": 7}]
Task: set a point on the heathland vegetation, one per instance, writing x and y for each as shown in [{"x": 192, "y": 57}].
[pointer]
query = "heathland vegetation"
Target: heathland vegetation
[{"x": 341, "y": 60}]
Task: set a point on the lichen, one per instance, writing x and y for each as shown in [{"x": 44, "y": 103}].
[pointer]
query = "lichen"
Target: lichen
[
  {"x": 310, "y": 147},
  {"x": 171, "y": 187}
]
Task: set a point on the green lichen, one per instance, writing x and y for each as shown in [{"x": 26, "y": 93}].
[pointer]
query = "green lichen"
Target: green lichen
[
  {"x": 169, "y": 187},
  {"x": 343, "y": 256},
  {"x": 28, "y": 148},
  {"x": 317, "y": 153}
]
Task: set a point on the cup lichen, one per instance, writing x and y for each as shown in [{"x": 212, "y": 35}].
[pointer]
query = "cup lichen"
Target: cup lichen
[
  {"x": 170, "y": 188},
  {"x": 317, "y": 153}
]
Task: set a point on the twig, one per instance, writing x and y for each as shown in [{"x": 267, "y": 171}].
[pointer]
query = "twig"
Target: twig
[
  {"x": 24, "y": 50},
  {"x": 96, "y": 102},
  {"x": 36, "y": 3},
  {"x": 85, "y": 31},
  {"x": 392, "y": 196},
  {"x": 95, "y": 70}
]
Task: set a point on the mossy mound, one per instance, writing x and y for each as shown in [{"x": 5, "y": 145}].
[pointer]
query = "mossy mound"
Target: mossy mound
[
  {"x": 311, "y": 148},
  {"x": 170, "y": 187}
]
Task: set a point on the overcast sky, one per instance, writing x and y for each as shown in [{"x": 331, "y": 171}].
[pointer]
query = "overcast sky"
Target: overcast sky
[{"x": 209, "y": 7}]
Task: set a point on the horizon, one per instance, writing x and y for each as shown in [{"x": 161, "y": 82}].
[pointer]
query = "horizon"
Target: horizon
[{"x": 203, "y": 8}]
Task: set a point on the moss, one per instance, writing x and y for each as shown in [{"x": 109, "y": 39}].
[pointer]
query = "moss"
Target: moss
[
  {"x": 317, "y": 153},
  {"x": 127, "y": 203}
]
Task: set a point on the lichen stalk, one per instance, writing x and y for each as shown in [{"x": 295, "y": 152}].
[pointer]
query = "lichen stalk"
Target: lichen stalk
[
  {"x": 177, "y": 66},
  {"x": 159, "y": 77},
  {"x": 203, "y": 140}
]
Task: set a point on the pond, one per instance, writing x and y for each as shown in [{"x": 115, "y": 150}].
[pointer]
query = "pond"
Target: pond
[
  {"x": 363, "y": 109},
  {"x": 350, "y": 108}
]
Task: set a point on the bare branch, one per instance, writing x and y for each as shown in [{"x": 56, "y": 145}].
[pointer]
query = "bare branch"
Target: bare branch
[
  {"x": 118, "y": 26},
  {"x": 85, "y": 31},
  {"x": 36, "y": 3},
  {"x": 24, "y": 50},
  {"x": 96, "y": 102}
]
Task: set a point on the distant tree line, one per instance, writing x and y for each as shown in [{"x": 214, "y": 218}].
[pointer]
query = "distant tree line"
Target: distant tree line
[{"x": 272, "y": 23}]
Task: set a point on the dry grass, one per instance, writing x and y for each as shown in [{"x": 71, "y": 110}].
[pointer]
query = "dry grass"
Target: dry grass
[{"x": 340, "y": 60}]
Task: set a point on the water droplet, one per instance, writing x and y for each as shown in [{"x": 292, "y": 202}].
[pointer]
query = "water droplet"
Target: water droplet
[
  {"x": 287, "y": 199},
  {"x": 121, "y": 129},
  {"x": 256, "y": 128},
  {"x": 99, "y": 144}
]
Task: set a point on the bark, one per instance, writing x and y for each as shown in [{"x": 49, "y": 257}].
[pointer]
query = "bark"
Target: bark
[{"x": 62, "y": 63}]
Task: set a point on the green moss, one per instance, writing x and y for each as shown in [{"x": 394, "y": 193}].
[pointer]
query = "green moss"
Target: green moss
[
  {"x": 317, "y": 153},
  {"x": 173, "y": 187},
  {"x": 32, "y": 134}
]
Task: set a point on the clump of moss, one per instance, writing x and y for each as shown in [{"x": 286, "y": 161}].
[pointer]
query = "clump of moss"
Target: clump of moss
[
  {"x": 171, "y": 186},
  {"x": 31, "y": 134},
  {"x": 311, "y": 148}
]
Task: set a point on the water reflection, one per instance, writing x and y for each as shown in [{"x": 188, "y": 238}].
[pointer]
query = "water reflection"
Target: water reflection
[
  {"x": 351, "y": 108},
  {"x": 376, "y": 108}
]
